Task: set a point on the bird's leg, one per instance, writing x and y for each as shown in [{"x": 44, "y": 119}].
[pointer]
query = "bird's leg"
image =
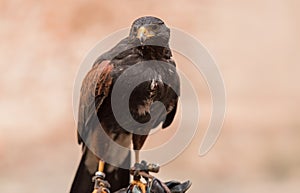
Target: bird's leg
[
  {"x": 101, "y": 165},
  {"x": 137, "y": 166},
  {"x": 100, "y": 184},
  {"x": 137, "y": 156},
  {"x": 138, "y": 142}
]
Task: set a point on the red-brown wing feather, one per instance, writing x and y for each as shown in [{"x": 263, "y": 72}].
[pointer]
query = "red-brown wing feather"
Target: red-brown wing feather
[{"x": 95, "y": 88}]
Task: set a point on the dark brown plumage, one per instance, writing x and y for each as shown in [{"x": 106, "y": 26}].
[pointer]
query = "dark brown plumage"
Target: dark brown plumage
[{"x": 148, "y": 41}]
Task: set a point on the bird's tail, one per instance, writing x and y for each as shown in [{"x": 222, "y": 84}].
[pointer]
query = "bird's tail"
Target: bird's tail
[
  {"x": 82, "y": 182},
  {"x": 117, "y": 177}
]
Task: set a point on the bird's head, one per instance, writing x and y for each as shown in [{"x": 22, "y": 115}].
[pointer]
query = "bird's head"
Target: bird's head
[{"x": 150, "y": 30}]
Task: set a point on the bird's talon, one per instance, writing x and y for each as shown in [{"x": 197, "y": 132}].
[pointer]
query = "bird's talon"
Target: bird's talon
[{"x": 100, "y": 183}]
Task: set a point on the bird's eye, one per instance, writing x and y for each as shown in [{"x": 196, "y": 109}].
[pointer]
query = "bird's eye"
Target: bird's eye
[{"x": 154, "y": 27}]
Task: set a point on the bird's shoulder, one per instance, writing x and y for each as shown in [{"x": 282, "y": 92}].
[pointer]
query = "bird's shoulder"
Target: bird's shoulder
[{"x": 120, "y": 50}]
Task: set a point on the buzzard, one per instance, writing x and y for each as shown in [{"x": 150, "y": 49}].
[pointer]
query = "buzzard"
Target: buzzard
[{"x": 144, "y": 54}]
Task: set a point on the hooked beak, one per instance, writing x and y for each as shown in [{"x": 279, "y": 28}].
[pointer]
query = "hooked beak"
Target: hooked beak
[{"x": 143, "y": 34}]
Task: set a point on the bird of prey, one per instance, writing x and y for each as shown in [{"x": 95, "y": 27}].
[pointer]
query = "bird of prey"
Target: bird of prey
[{"x": 146, "y": 52}]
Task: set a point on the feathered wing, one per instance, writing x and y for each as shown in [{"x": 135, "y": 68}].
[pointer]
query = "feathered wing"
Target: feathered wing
[
  {"x": 95, "y": 88},
  {"x": 173, "y": 93},
  {"x": 168, "y": 92}
]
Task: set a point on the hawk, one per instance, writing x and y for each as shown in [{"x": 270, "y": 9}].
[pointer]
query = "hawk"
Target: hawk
[{"x": 144, "y": 54}]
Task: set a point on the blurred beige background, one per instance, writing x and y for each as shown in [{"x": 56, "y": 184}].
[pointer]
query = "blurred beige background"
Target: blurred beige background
[{"x": 255, "y": 43}]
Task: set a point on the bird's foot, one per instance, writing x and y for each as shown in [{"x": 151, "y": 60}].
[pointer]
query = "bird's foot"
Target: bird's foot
[
  {"x": 145, "y": 167},
  {"x": 135, "y": 170},
  {"x": 101, "y": 185}
]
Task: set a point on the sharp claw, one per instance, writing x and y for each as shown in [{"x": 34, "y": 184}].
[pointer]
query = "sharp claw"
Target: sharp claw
[{"x": 144, "y": 166}]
